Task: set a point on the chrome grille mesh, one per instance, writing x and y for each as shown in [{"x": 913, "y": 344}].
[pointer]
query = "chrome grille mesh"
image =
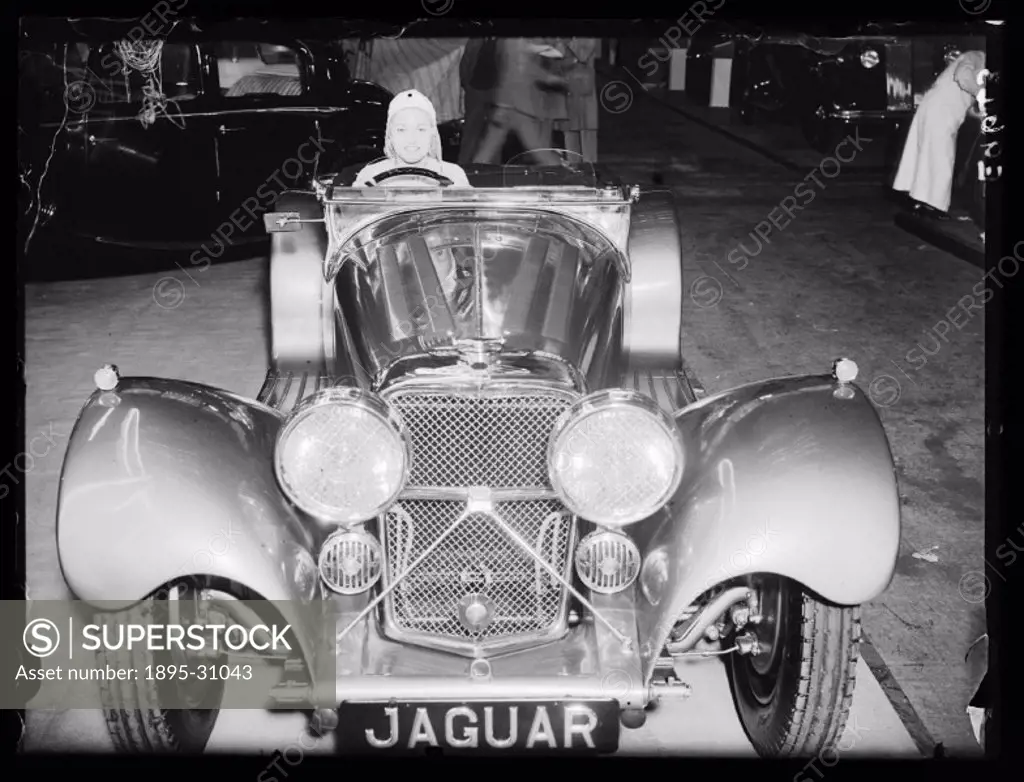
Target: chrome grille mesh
[
  {"x": 472, "y": 439},
  {"x": 464, "y": 439},
  {"x": 477, "y": 558}
]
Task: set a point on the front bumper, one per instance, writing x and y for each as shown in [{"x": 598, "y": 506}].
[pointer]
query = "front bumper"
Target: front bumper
[
  {"x": 876, "y": 117},
  {"x": 588, "y": 663}
]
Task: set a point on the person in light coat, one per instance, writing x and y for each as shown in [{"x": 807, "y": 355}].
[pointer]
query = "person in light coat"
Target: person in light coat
[{"x": 929, "y": 156}]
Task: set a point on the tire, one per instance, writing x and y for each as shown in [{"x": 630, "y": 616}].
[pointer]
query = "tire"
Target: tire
[
  {"x": 135, "y": 726},
  {"x": 794, "y": 699}
]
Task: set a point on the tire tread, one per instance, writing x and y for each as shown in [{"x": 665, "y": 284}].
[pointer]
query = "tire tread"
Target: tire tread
[
  {"x": 133, "y": 721},
  {"x": 831, "y": 641}
]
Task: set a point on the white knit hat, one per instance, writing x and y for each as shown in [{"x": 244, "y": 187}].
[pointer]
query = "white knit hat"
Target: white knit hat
[{"x": 412, "y": 99}]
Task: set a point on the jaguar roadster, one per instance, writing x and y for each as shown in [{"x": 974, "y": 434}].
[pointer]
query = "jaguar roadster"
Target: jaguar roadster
[{"x": 480, "y": 451}]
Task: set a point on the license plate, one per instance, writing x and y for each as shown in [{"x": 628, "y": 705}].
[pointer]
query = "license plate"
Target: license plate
[{"x": 500, "y": 726}]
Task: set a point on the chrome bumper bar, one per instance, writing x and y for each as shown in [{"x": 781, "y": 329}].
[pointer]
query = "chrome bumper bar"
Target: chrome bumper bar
[
  {"x": 620, "y": 686},
  {"x": 870, "y": 115},
  {"x": 516, "y": 688}
]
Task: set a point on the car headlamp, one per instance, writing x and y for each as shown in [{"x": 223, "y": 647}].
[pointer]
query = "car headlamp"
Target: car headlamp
[
  {"x": 343, "y": 456},
  {"x": 615, "y": 457},
  {"x": 869, "y": 58}
]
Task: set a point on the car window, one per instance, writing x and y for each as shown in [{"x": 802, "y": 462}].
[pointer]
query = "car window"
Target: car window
[
  {"x": 246, "y": 68},
  {"x": 173, "y": 71}
]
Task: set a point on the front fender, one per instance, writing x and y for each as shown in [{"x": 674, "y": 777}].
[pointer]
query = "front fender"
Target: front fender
[
  {"x": 782, "y": 477},
  {"x": 165, "y": 479}
]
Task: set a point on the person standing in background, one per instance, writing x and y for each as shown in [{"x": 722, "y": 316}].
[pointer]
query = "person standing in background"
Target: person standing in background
[
  {"x": 428, "y": 65},
  {"x": 929, "y": 157},
  {"x": 581, "y": 100},
  {"x": 612, "y": 48},
  {"x": 519, "y": 103},
  {"x": 555, "y": 102},
  {"x": 479, "y": 76}
]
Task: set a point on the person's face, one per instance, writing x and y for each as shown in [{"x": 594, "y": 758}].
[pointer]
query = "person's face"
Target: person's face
[{"x": 412, "y": 132}]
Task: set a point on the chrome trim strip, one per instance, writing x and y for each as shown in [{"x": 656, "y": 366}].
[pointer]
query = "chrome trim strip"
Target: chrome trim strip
[
  {"x": 86, "y": 119},
  {"x": 379, "y": 689},
  {"x": 861, "y": 114},
  {"x": 480, "y": 386},
  {"x": 463, "y": 494},
  {"x": 504, "y": 196},
  {"x": 446, "y": 370}
]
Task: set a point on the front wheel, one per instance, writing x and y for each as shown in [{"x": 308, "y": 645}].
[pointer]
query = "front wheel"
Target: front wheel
[
  {"x": 793, "y": 697},
  {"x": 136, "y": 719}
]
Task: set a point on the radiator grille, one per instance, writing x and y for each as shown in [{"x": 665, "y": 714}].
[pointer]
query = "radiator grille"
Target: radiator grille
[
  {"x": 462, "y": 439},
  {"x": 478, "y": 558}
]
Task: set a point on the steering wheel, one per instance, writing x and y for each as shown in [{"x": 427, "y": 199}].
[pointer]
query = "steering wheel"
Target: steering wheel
[{"x": 410, "y": 171}]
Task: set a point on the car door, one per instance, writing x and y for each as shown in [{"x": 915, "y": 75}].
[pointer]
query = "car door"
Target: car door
[
  {"x": 150, "y": 171},
  {"x": 267, "y": 136}
]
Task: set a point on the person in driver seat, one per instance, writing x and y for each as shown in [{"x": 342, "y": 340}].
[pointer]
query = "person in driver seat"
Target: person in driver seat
[{"x": 412, "y": 141}]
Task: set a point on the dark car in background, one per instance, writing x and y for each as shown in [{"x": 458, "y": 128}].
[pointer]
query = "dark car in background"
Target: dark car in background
[
  {"x": 827, "y": 85},
  {"x": 232, "y": 117}
]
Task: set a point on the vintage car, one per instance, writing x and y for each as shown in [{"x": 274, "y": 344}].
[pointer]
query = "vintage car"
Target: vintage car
[
  {"x": 247, "y": 111},
  {"x": 479, "y": 450},
  {"x": 829, "y": 85}
]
